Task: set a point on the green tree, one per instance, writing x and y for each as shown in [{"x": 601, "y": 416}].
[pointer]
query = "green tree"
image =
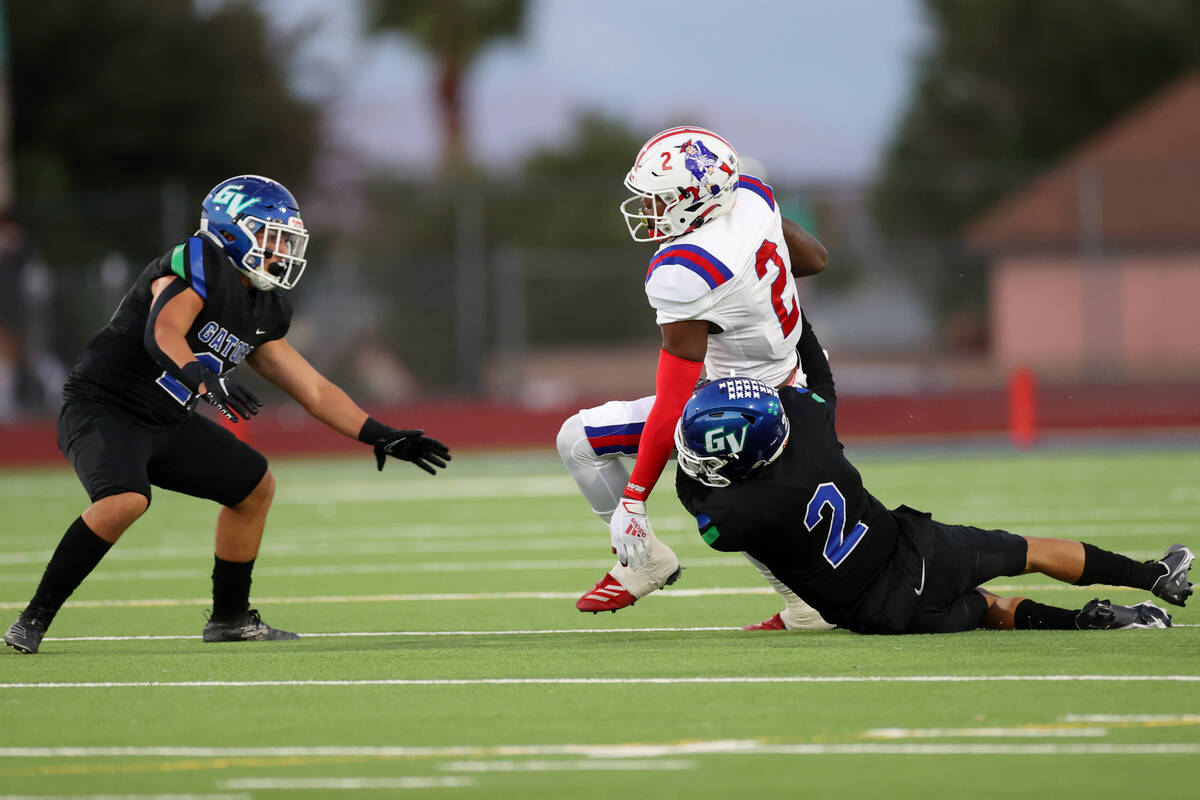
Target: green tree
[
  {"x": 567, "y": 193},
  {"x": 1004, "y": 89},
  {"x": 558, "y": 209},
  {"x": 583, "y": 274},
  {"x": 121, "y": 96},
  {"x": 454, "y": 33}
]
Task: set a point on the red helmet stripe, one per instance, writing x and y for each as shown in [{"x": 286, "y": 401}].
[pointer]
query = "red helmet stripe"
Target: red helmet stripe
[{"x": 672, "y": 132}]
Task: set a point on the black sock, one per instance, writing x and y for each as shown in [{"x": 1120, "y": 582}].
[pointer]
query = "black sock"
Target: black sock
[
  {"x": 231, "y": 587},
  {"x": 1112, "y": 569},
  {"x": 77, "y": 554},
  {"x": 1029, "y": 615}
]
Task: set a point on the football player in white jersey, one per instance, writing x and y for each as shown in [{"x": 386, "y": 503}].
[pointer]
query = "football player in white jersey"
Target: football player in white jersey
[{"x": 722, "y": 284}]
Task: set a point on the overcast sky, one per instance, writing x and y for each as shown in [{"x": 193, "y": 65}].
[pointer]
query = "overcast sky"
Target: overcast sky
[{"x": 812, "y": 88}]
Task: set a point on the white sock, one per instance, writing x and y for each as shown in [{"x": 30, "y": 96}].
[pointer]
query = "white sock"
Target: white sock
[{"x": 797, "y": 615}]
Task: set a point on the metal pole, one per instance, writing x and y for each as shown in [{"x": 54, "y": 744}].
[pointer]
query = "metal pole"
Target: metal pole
[
  {"x": 470, "y": 285},
  {"x": 510, "y": 316},
  {"x": 1101, "y": 309}
]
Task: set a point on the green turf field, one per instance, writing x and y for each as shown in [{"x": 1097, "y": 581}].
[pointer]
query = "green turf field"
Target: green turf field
[{"x": 444, "y": 655}]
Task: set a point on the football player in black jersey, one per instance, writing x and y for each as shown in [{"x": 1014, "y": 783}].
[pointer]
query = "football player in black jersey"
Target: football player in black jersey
[
  {"x": 128, "y": 421},
  {"x": 763, "y": 472}
]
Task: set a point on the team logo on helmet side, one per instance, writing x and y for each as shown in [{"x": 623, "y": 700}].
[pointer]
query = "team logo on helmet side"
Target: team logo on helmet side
[
  {"x": 231, "y": 196},
  {"x": 703, "y": 164},
  {"x": 716, "y": 440}
]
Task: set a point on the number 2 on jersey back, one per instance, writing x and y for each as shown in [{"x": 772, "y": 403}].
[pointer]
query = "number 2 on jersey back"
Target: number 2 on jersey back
[
  {"x": 768, "y": 251},
  {"x": 838, "y": 544}
]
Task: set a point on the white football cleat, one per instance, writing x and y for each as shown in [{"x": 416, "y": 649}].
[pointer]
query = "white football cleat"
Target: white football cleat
[{"x": 622, "y": 586}]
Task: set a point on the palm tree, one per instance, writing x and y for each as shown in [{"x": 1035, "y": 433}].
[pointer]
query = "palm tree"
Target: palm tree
[{"x": 454, "y": 33}]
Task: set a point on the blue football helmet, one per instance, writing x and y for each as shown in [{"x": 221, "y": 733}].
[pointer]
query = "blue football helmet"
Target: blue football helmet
[
  {"x": 258, "y": 223},
  {"x": 730, "y": 427}
]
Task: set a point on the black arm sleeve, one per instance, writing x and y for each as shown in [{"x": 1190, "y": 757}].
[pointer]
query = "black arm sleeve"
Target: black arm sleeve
[
  {"x": 187, "y": 377},
  {"x": 815, "y": 364}
]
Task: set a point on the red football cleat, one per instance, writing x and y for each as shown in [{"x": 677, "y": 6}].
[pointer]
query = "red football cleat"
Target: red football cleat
[
  {"x": 607, "y": 595},
  {"x": 774, "y": 623}
]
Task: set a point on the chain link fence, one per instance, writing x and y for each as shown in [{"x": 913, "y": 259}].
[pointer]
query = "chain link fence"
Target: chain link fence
[{"x": 419, "y": 290}]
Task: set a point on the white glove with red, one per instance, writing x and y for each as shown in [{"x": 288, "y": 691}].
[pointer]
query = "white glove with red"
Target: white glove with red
[{"x": 630, "y": 532}]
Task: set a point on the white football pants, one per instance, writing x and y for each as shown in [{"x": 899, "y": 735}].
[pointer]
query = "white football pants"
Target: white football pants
[{"x": 591, "y": 444}]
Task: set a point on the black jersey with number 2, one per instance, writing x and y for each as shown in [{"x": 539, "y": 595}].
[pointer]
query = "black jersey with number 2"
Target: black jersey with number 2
[
  {"x": 116, "y": 368},
  {"x": 809, "y": 519}
]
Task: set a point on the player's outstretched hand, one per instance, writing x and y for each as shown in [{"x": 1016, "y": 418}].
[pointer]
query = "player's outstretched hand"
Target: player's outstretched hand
[
  {"x": 230, "y": 397},
  {"x": 630, "y": 531},
  {"x": 423, "y": 451}
]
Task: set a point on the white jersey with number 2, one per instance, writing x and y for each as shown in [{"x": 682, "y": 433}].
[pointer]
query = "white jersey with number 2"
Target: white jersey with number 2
[{"x": 735, "y": 272}]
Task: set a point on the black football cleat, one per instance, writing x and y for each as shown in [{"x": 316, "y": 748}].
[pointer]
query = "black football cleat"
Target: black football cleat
[
  {"x": 1174, "y": 586},
  {"x": 1102, "y": 615},
  {"x": 245, "y": 627},
  {"x": 25, "y": 635}
]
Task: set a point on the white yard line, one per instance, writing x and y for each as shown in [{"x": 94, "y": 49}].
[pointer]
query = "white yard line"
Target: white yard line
[
  {"x": 386, "y": 634},
  {"x": 336, "y": 537},
  {"x": 1072, "y": 725},
  {"x": 1027, "y": 732},
  {"x": 391, "y": 566},
  {"x": 1137, "y": 719},
  {"x": 376, "y": 568},
  {"x": 318, "y": 529},
  {"x": 715, "y": 591},
  {"x": 663, "y": 681},
  {"x": 402, "y": 548},
  {"x": 607, "y": 751},
  {"x": 605, "y": 765},
  {"x": 301, "y": 537},
  {"x": 557, "y": 631},
  {"x": 1165, "y": 749},
  {"x": 343, "y": 784},
  {"x": 125, "y": 797},
  {"x": 387, "y": 598}
]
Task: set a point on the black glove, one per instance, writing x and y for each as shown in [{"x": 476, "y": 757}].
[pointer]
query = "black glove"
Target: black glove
[
  {"x": 411, "y": 446},
  {"x": 229, "y": 397}
]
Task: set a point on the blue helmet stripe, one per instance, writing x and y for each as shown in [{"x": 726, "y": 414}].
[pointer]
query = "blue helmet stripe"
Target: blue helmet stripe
[{"x": 196, "y": 266}]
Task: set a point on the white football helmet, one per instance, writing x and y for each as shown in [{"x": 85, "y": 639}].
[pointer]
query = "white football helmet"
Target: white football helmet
[{"x": 681, "y": 178}]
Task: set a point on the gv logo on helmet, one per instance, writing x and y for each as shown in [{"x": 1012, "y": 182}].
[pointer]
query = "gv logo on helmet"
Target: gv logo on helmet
[
  {"x": 234, "y": 199},
  {"x": 713, "y": 442}
]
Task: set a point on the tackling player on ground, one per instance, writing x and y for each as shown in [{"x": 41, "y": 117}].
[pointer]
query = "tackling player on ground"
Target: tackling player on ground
[
  {"x": 722, "y": 284},
  {"x": 128, "y": 419},
  {"x": 763, "y": 472}
]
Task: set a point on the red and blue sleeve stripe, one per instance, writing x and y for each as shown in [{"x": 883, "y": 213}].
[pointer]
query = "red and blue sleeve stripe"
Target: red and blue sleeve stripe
[
  {"x": 759, "y": 188},
  {"x": 608, "y": 439},
  {"x": 694, "y": 258}
]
